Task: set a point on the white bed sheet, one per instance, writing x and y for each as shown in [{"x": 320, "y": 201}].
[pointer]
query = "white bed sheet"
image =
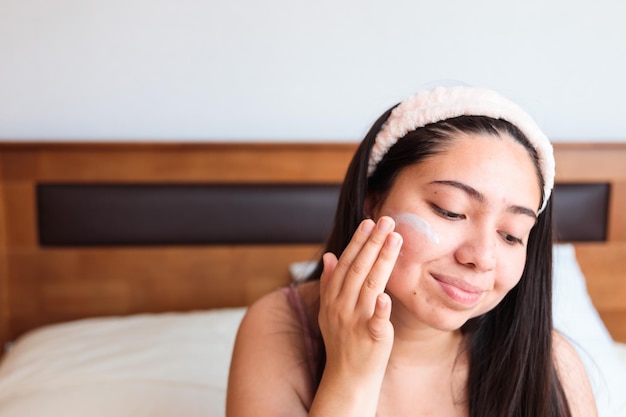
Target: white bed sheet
[{"x": 621, "y": 351}]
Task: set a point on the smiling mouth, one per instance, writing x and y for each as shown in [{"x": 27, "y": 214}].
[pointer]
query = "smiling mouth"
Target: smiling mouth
[{"x": 460, "y": 292}]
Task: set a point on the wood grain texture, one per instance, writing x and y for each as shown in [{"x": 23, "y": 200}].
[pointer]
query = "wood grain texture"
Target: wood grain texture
[
  {"x": 146, "y": 163},
  {"x": 63, "y": 284},
  {"x": 4, "y": 272},
  {"x": 47, "y": 285},
  {"x": 605, "y": 270}
]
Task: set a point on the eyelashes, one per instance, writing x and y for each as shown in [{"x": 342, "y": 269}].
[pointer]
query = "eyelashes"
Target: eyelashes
[
  {"x": 511, "y": 239},
  {"x": 447, "y": 214},
  {"x": 452, "y": 216}
]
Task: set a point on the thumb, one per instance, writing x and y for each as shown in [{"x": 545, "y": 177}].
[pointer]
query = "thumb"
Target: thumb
[
  {"x": 330, "y": 262},
  {"x": 379, "y": 326}
]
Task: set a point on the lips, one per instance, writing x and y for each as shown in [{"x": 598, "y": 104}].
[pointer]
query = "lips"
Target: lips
[{"x": 459, "y": 291}]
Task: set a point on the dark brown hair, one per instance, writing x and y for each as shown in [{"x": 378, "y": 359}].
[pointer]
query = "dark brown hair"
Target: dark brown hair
[{"x": 511, "y": 372}]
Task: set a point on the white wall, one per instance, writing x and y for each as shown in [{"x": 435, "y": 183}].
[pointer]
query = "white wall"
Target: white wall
[{"x": 294, "y": 69}]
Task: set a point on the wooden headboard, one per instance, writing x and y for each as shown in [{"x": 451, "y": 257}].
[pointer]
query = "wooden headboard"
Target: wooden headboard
[{"x": 49, "y": 273}]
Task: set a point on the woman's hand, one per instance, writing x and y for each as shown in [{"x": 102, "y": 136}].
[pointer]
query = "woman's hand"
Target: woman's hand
[{"x": 355, "y": 310}]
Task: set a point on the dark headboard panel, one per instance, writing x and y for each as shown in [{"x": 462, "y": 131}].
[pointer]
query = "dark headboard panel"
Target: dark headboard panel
[
  {"x": 184, "y": 214},
  {"x": 217, "y": 214},
  {"x": 581, "y": 212}
]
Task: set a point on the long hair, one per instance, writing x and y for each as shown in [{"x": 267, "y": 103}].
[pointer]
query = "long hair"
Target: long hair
[{"x": 511, "y": 371}]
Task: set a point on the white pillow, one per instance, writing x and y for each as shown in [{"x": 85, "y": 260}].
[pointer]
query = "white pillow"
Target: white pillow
[
  {"x": 577, "y": 319},
  {"x": 134, "y": 366},
  {"x": 621, "y": 349},
  {"x": 299, "y": 271}
]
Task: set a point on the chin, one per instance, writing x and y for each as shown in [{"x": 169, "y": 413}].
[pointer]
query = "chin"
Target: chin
[
  {"x": 444, "y": 319},
  {"x": 448, "y": 325}
]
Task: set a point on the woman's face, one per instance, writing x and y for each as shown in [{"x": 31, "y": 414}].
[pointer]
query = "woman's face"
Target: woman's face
[{"x": 465, "y": 216}]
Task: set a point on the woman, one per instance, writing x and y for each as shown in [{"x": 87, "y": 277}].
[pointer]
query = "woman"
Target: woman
[{"x": 433, "y": 297}]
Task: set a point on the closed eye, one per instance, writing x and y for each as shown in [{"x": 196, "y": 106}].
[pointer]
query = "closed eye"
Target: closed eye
[
  {"x": 511, "y": 239},
  {"x": 447, "y": 214}
]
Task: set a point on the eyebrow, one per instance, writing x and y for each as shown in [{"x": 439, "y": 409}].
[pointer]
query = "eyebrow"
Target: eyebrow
[{"x": 478, "y": 196}]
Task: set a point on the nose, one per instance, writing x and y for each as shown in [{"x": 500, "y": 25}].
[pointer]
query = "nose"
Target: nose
[{"x": 478, "y": 252}]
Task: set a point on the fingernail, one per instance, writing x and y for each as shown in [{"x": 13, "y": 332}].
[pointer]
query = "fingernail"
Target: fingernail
[
  {"x": 385, "y": 224},
  {"x": 394, "y": 240},
  {"x": 367, "y": 226}
]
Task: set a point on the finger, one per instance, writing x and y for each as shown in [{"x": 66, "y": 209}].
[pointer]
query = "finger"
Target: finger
[
  {"x": 380, "y": 272},
  {"x": 353, "y": 248},
  {"x": 379, "y": 326},
  {"x": 329, "y": 261},
  {"x": 361, "y": 266}
]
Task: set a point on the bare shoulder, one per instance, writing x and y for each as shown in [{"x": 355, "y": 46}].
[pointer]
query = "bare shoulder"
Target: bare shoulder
[
  {"x": 573, "y": 377},
  {"x": 269, "y": 371}
]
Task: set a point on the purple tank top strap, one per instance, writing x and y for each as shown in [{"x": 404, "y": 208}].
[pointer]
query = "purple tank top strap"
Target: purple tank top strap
[{"x": 310, "y": 341}]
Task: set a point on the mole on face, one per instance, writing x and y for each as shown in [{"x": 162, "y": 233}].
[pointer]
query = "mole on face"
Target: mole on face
[{"x": 417, "y": 224}]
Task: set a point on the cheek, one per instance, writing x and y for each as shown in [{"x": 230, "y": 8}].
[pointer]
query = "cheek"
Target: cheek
[
  {"x": 509, "y": 276},
  {"x": 514, "y": 268},
  {"x": 417, "y": 226},
  {"x": 420, "y": 244},
  {"x": 418, "y": 236}
]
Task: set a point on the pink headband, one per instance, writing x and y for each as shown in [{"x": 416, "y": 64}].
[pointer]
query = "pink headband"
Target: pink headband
[{"x": 447, "y": 102}]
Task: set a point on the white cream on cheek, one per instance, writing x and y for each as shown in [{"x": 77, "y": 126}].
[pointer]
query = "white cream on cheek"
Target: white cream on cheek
[{"x": 417, "y": 224}]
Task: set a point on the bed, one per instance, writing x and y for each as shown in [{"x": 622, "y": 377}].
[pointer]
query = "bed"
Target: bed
[{"x": 125, "y": 268}]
